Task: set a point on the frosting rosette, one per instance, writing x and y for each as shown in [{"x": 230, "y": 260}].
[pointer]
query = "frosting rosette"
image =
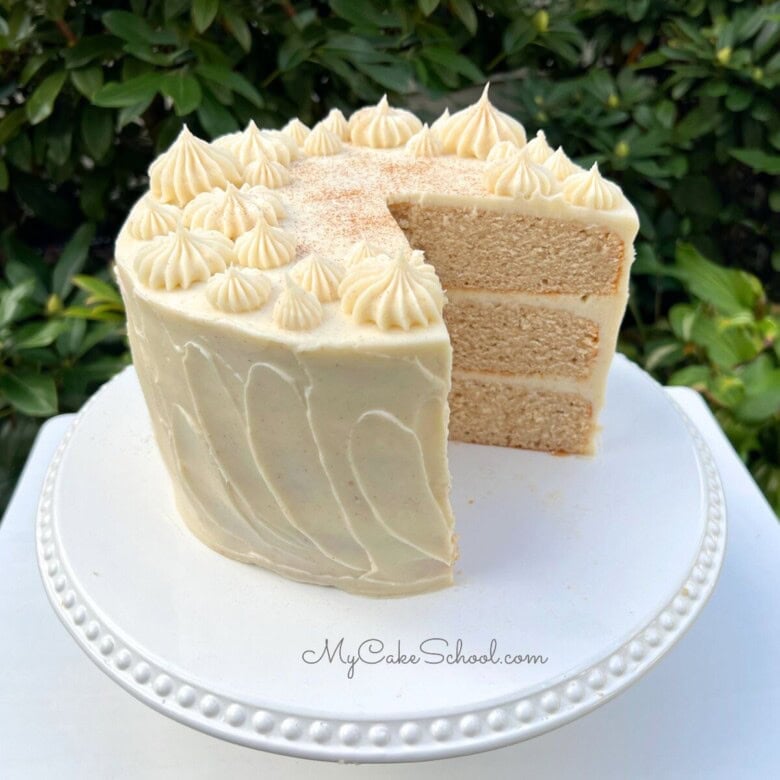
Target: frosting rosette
[
  {"x": 502, "y": 150},
  {"x": 475, "y": 130},
  {"x": 236, "y": 290},
  {"x": 537, "y": 150},
  {"x": 320, "y": 276},
  {"x": 297, "y": 309},
  {"x": 589, "y": 189},
  {"x": 392, "y": 293},
  {"x": 183, "y": 257},
  {"x": 322, "y": 142},
  {"x": 358, "y": 252},
  {"x": 267, "y": 173},
  {"x": 150, "y": 218},
  {"x": 382, "y": 127},
  {"x": 230, "y": 211},
  {"x": 560, "y": 165},
  {"x": 297, "y": 130},
  {"x": 254, "y": 144},
  {"x": 518, "y": 177},
  {"x": 265, "y": 246},
  {"x": 337, "y": 123},
  {"x": 189, "y": 167},
  {"x": 424, "y": 143}
]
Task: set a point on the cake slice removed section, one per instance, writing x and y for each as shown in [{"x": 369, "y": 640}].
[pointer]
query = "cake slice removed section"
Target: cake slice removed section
[{"x": 537, "y": 287}]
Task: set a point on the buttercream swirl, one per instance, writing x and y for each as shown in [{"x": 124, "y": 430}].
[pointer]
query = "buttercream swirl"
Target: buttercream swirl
[
  {"x": 150, "y": 218},
  {"x": 265, "y": 246},
  {"x": 358, "y": 252},
  {"x": 441, "y": 122},
  {"x": 189, "y": 167},
  {"x": 475, "y": 130},
  {"x": 337, "y": 123},
  {"x": 267, "y": 173},
  {"x": 589, "y": 189},
  {"x": 560, "y": 165},
  {"x": 297, "y": 309},
  {"x": 518, "y": 177},
  {"x": 382, "y": 127},
  {"x": 230, "y": 211},
  {"x": 537, "y": 149},
  {"x": 297, "y": 130},
  {"x": 392, "y": 293},
  {"x": 502, "y": 150},
  {"x": 254, "y": 144},
  {"x": 322, "y": 142},
  {"x": 424, "y": 143},
  {"x": 319, "y": 276},
  {"x": 238, "y": 290},
  {"x": 183, "y": 257},
  {"x": 272, "y": 206},
  {"x": 284, "y": 147}
]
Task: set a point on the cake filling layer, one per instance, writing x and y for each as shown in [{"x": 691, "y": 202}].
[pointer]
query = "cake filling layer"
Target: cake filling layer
[
  {"x": 492, "y": 410},
  {"x": 475, "y": 248},
  {"x": 508, "y": 337}
]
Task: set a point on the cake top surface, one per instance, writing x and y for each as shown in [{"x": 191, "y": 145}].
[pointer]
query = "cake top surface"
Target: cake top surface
[{"x": 287, "y": 233}]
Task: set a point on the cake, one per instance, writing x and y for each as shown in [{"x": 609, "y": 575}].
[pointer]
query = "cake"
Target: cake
[{"x": 285, "y": 295}]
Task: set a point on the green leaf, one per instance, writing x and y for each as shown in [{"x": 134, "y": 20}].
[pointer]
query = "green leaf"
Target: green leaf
[
  {"x": 729, "y": 290},
  {"x": 10, "y": 123},
  {"x": 41, "y": 102},
  {"x": 203, "y": 13},
  {"x": 31, "y": 394},
  {"x": 762, "y": 391},
  {"x": 12, "y": 301},
  {"x": 214, "y": 117},
  {"x": 87, "y": 80},
  {"x": 233, "y": 80},
  {"x": 72, "y": 259},
  {"x": 518, "y": 35},
  {"x": 362, "y": 13},
  {"x": 758, "y": 160},
  {"x": 464, "y": 10},
  {"x": 183, "y": 88},
  {"x": 292, "y": 53},
  {"x": 133, "y": 92},
  {"x": 97, "y": 131},
  {"x": 454, "y": 61},
  {"x": 135, "y": 29},
  {"x": 237, "y": 27},
  {"x": 33, "y": 65},
  {"x": 3, "y": 176},
  {"x": 428, "y": 6},
  {"x": 38, "y": 334},
  {"x": 99, "y": 291},
  {"x": 95, "y": 47},
  {"x": 396, "y": 77},
  {"x": 691, "y": 376},
  {"x": 130, "y": 113}
]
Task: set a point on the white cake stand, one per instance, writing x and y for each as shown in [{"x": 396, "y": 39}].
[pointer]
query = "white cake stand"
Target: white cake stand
[{"x": 597, "y": 564}]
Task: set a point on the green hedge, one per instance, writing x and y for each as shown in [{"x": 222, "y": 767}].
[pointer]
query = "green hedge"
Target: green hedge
[{"x": 678, "y": 101}]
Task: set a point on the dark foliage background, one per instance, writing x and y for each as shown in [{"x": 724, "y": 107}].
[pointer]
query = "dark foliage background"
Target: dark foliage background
[{"x": 678, "y": 101}]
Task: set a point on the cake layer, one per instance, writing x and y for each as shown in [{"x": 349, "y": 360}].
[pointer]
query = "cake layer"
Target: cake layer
[
  {"x": 475, "y": 248},
  {"x": 503, "y": 335},
  {"x": 490, "y": 409}
]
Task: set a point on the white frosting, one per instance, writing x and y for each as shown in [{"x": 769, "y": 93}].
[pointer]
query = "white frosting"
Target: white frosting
[
  {"x": 285, "y": 148},
  {"x": 322, "y": 142},
  {"x": 238, "y": 290},
  {"x": 265, "y": 246},
  {"x": 518, "y": 177},
  {"x": 319, "y": 276},
  {"x": 392, "y": 293},
  {"x": 502, "y": 150},
  {"x": 382, "y": 127},
  {"x": 589, "y": 189},
  {"x": 358, "y": 252},
  {"x": 254, "y": 144},
  {"x": 150, "y": 218},
  {"x": 183, "y": 257},
  {"x": 230, "y": 211},
  {"x": 337, "y": 123},
  {"x": 189, "y": 167},
  {"x": 560, "y": 165},
  {"x": 537, "y": 149},
  {"x": 441, "y": 122},
  {"x": 272, "y": 206},
  {"x": 267, "y": 173},
  {"x": 297, "y": 309},
  {"x": 475, "y": 130},
  {"x": 297, "y": 130},
  {"x": 424, "y": 143}
]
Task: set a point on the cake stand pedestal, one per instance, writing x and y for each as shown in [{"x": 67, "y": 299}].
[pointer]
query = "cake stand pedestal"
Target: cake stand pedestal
[{"x": 577, "y": 574}]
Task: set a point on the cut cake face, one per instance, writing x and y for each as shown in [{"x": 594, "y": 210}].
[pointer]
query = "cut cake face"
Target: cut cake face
[{"x": 287, "y": 319}]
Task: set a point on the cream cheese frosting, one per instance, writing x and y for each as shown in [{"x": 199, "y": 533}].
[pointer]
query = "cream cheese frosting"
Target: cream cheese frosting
[
  {"x": 382, "y": 127},
  {"x": 320, "y": 276},
  {"x": 322, "y": 142},
  {"x": 150, "y": 218},
  {"x": 519, "y": 177},
  {"x": 424, "y": 143},
  {"x": 189, "y": 167},
  {"x": 230, "y": 211},
  {"x": 337, "y": 123},
  {"x": 267, "y": 173},
  {"x": 590, "y": 190},
  {"x": 296, "y": 308},
  {"x": 238, "y": 290},
  {"x": 297, "y": 130},
  {"x": 265, "y": 246}
]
